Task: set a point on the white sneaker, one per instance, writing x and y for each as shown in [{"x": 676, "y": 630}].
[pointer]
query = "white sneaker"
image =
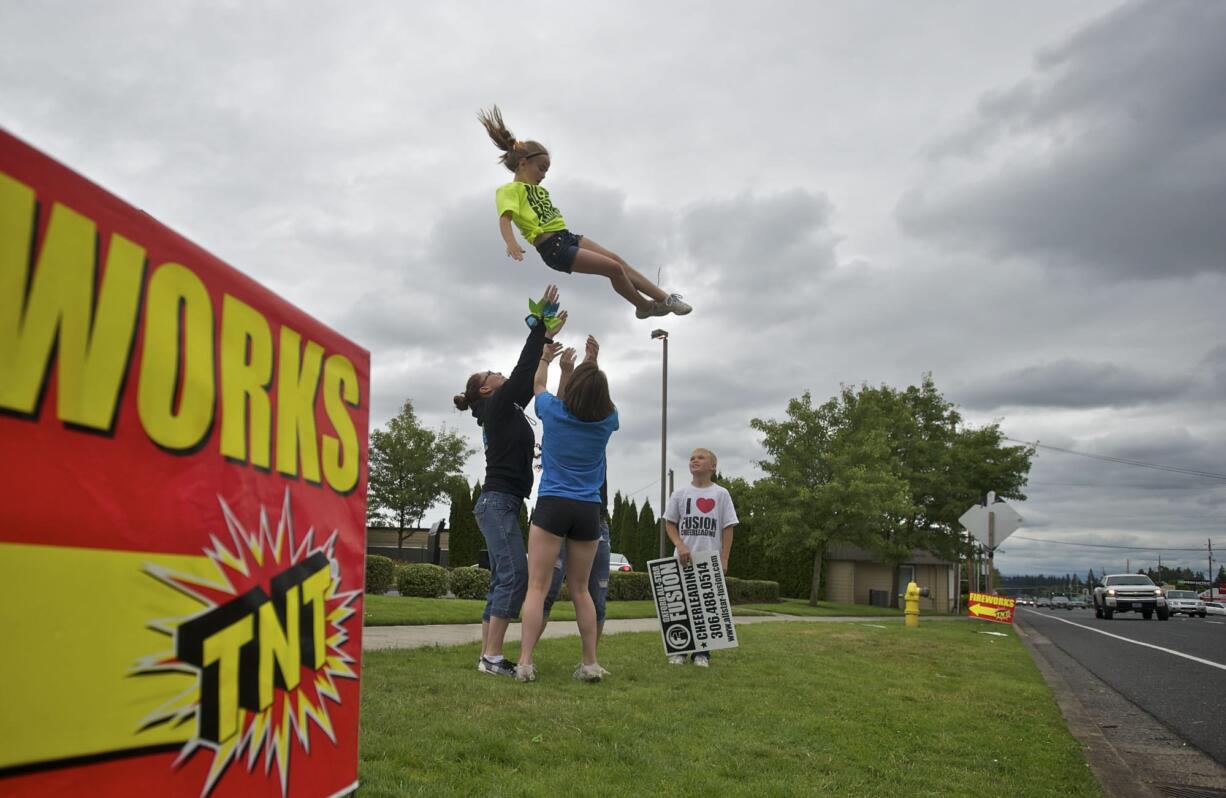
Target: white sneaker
[
  {"x": 590, "y": 673},
  {"x": 676, "y": 659},
  {"x": 656, "y": 308},
  {"x": 603, "y": 672},
  {"x": 674, "y": 305},
  {"x": 702, "y": 660},
  {"x": 525, "y": 673}
]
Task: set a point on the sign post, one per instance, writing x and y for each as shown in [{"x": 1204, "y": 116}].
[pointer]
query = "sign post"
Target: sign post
[{"x": 991, "y": 523}]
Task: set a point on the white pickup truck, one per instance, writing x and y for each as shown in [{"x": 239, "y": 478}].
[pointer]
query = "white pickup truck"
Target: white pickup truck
[{"x": 1129, "y": 593}]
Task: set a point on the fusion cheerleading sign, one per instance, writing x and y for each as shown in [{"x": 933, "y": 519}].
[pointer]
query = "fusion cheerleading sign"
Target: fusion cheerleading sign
[
  {"x": 182, "y": 461},
  {"x": 692, "y": 604}
]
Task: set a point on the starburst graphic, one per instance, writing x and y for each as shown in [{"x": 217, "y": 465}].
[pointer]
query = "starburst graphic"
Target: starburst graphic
[{"x": 266, "y": 645}]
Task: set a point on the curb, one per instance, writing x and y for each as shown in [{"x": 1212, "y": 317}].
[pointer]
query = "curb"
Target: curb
[{"x": 1111, "y": 771}]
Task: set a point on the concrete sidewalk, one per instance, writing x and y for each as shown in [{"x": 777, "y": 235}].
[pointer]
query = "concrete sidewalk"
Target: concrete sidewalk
[{"x": 375, "y": 638}]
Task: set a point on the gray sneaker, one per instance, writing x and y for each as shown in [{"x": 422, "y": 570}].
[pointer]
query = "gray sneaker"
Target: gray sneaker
[
  {"x": 673, "y": 304},
  {"x": 702, "y": 660},
  {"x": 525, "y": 673},
  {"x": 656, "y": 308},
  {"x": 503, "y": 667},
  {"x": 676, "y": 659}
]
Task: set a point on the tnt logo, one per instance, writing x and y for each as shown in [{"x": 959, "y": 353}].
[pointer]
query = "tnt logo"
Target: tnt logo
[
  {"x": 266, "y": 645},
  {"x": 254, "y": 643}
]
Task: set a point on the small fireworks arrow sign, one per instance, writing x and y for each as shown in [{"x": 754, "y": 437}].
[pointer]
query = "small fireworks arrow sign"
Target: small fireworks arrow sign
[{"x": 990, "y": 607}]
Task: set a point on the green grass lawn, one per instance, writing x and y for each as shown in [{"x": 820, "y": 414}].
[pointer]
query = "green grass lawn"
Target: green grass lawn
[
  {"x": 801, "y": 607},
  {"x": 407, "y": 611},
  {"x": 797, "y": 710}
]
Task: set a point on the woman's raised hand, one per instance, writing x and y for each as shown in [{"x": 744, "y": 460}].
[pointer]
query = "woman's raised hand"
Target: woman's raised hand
[
  {"x": 568, "y": 360},
  {"x": 550, "y": 295},
  {"x": 592, "y": 349},
  {"x": 550, "y": 351}
]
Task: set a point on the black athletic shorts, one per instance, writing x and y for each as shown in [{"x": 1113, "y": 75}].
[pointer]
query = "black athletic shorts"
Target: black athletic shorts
[
  {"x": 559, "y": 250},
  {"x": 567, "y": 518}
]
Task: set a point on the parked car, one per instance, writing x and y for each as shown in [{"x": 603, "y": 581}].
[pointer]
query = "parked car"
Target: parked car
[
  {"x": 1129, "y": 593},
  {"x": 618, "y": 562},
  {"x": 1185, "y": 601},
  {"x": 1045, "y": 602},
  {"x": 1077, "y": 603},
  {"x": 1060, "y": 603},
  {"x": 1215, "y": 608}
]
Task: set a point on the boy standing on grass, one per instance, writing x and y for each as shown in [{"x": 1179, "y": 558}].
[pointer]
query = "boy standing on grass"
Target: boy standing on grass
[{"x": 700, "y": 519}]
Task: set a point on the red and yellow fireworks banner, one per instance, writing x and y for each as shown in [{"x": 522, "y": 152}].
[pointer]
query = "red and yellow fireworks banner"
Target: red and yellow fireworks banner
[
  {"x": 990, "y": 607},
  {"x": 182, "y": 507}
]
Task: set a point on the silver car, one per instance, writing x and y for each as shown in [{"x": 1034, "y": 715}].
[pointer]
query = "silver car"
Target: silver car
[
  {"x": 1185, "y": 601},
  {"x": 618, "y": 562}
]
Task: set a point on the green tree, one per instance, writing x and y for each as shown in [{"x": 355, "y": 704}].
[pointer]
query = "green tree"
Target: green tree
[
  {"x": 615, "y": 520},
  {"x": 464, "y": 542},
  {"x": 647, "y": 534},
  {"x": 411, "y": 468},
  {"x": 629, "y": 534},
  {"x": 830, "y": 475}
]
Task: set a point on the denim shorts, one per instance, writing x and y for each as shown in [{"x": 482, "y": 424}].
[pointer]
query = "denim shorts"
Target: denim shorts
[
  {"x": 559, "y": 250},
  {"x": 597, "y": 582},
  {"x": 497, "y": 515}
]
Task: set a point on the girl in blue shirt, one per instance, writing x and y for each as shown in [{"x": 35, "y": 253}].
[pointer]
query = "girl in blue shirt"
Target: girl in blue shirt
[{"x": 576, "y": 431}]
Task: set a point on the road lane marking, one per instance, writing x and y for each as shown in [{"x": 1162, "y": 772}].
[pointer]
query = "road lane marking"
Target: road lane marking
[{"x": 1210, "y": 663}]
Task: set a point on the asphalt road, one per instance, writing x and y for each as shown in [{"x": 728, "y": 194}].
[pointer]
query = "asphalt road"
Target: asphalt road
[{"x": 1188, "y": 695}]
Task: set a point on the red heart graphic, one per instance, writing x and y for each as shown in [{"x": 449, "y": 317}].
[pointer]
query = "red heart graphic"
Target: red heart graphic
[{"x": 705, "y": 505}]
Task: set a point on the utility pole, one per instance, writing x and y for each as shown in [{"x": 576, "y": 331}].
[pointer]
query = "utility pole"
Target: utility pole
[{"x": 1211, "y": 582}]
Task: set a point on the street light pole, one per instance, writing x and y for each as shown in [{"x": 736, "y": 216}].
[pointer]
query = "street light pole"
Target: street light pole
[{"x": 663, "y": 336}]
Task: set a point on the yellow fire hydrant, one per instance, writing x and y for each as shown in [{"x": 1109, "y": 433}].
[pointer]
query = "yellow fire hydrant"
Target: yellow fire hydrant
[{"x": 912, "y": 600}]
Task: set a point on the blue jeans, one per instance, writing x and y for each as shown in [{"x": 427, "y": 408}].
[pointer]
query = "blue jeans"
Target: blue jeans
[
  {"x": 497, "y": 515},
  {"x": 597, "y": 581}
]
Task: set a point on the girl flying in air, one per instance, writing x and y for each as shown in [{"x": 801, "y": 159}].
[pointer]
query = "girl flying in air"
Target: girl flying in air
[{"x": 527, "y": 204}]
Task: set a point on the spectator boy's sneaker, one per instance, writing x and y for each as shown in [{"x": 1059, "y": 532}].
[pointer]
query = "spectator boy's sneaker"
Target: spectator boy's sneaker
[
  {"x": 676, "y": 659},
  {"x": 503, "y": 667},
  {"x": 702, "y": 660},
  {"x": 656, "y": 308},
  {"x": 673, "y": 304},
  {"x": 525, "y": 673},
  {"x": 590, "y": 673}
]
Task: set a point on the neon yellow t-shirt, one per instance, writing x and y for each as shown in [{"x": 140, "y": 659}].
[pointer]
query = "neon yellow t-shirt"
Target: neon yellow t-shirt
[{"x": 530, "y": 208}]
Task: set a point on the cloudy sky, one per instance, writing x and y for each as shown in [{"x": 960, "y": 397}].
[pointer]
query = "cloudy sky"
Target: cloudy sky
[{"x": 1026, "y": 199}]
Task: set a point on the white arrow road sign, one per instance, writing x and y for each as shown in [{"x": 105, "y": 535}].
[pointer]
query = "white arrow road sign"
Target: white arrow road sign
[{"x": 976, "y": 522}]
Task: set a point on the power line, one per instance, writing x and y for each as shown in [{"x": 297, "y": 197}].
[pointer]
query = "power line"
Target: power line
[
  {"x": 1104, "y": 545},
  {"x": 1194, "y": 472},
  {"x": 640, "y": 490}
]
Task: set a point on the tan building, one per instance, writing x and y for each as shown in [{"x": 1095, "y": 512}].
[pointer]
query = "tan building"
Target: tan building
[{"x": 855, "y": 576}]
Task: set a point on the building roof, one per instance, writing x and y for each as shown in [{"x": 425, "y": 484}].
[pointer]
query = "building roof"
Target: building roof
[{"x": 838, "y": 551}]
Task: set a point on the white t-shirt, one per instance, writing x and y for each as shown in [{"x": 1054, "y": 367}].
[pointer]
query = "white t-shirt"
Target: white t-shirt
[{"x": 701, "y": 515}]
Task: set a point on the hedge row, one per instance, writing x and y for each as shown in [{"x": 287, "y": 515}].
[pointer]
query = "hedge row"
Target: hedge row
[
  {"x": 432, "y": 581},
  {"x": 751, "y": 591},
  {"x": 380, "y": 574}
]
